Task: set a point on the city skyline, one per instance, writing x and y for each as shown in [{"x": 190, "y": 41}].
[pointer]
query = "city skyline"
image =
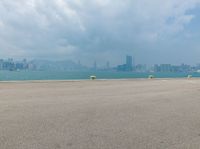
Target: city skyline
[{"x": 129, "y": 65}]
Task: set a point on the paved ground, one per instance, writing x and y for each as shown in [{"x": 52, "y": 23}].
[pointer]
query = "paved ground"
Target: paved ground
[{"x": 123, "y": 114}]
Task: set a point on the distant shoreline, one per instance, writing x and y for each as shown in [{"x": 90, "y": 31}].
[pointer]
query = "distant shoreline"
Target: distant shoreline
[{"x": 97, "y": 80}]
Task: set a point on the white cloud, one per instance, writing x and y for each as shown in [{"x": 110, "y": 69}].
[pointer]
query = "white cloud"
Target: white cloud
[
  {"x": 99, "y": 25},
  {"x": 1, "y": 24}
]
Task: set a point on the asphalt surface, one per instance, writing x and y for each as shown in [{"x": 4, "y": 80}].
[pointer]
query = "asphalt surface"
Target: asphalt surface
[{"x": 114, "y": 114}]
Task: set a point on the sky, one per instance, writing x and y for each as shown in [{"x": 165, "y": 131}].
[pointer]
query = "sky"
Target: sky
[{"x": 153, "y": 31}]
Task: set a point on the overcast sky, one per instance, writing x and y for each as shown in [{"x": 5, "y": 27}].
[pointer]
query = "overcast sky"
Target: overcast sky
[{"x": 153, "y": 31}]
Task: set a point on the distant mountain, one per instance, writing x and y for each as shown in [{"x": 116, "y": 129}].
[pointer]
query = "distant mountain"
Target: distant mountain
[{"x": 66, "y": 65}]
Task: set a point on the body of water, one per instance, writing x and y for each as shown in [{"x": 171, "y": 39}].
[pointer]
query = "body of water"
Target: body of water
[{"x": 52, "y": 75}]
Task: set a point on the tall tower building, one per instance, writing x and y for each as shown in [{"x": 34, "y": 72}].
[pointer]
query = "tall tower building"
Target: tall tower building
[
  {"x": 129, "y": 63},
  {"x": 95, "y": 65},
  {"x": 107, "y": 65}
]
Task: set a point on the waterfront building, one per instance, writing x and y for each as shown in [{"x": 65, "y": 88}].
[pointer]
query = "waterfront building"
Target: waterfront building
[
  {"x": 129, "y": 63},
  {"x": 107, "y": 65},
  {"x": 1, "y": 64},
  {"x": 95, "y": 65},
  {"x": 128, "y": 66},
  {"x": 140, "y": 68}
]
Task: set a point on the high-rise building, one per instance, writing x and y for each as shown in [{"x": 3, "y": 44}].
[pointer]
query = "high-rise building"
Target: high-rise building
[
  {"x": 1, "y": 64},
  {"x": 95, "y": 65},
  {"x": 129, "y": 63},
  {"x": 128, "y": 66},
  {"x": 107, "y": 65},
  {"x": 79, "y": 63}
]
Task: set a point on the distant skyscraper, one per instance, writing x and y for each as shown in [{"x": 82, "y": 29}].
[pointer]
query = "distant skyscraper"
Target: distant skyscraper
[
  {"x": 128, "y": 66},
  {"x": 107, "y": 65},
  {"x": 129, "y": 63},
  {"x": 79, "y": 63},
  {"x": 1, "y": 64}
]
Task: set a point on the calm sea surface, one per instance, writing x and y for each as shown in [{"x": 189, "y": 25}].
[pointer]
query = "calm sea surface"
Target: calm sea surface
[{"x": 52, "y": 75}]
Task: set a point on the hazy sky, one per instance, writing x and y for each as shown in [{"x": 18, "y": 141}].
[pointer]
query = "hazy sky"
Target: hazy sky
[{"x": 154, "y": 31}]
